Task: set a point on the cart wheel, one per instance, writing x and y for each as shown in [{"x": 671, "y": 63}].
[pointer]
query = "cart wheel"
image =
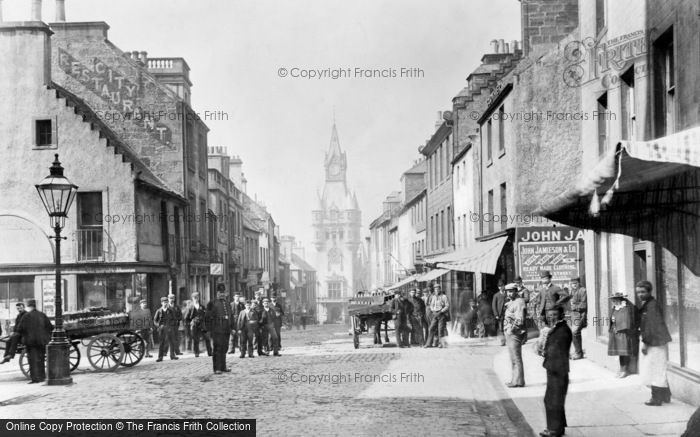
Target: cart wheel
[
  {"x": 74, "y": 357},
  {"x": 105, "y": 352},
  {"x": 134, "y": 348},
  {"x": 24, "y": 364},
  {"x": 356, "y": 332}
]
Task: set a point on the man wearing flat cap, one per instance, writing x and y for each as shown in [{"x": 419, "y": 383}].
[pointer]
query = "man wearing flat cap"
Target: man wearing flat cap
[
  {"x": 166, "y": 322},
  {"x": 550, "y": 295},
  {"x": 178, "y": 317},
  {"x": 141, "y": 321},
  {"x": 401, "y": 310},
  {"x": 515, "y": 333},
  {"x": 194, "y": 318},
  {"x": 579, "y": 312},
  {"x": 35, "y": 329}
]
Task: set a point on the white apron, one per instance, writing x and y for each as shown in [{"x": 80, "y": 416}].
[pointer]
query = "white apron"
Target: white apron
[{"x": 652, "y": 366}]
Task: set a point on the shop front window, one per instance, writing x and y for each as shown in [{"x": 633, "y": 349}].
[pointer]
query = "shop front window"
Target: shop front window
[
  {"x": 691, "y": 319},
  {"x": 109, "y": 291}
]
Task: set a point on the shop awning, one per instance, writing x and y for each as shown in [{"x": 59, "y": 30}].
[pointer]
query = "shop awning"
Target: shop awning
[
  {"x": 433, "y": 274},
  {"x": 646, "y": 189},
  {"x": 480, "y": 257},
  {"x": 403, "y": 282}
]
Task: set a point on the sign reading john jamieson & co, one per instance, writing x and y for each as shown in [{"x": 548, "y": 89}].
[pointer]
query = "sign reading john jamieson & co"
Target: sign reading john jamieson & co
[{"x": 556, "y": 249}]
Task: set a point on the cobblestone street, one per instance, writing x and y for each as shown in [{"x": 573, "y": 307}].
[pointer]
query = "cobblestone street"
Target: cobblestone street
[{"x": 320, "y": 385}]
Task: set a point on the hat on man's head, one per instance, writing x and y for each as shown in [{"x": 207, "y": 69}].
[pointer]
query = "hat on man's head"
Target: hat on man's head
[
  {"x": 519, "y": 279},
  {"x": 163, "y": 299},
  {"x": 143, "y": 301},
  {"x": 195, "y": 294},
  {"x": 20, "y": 303},
  {"x": 545, "y": 274},
  {"x": 618, "y": 295},
  {"x": 512, "y": 286},
  {"x": 171, "y": 295},
  {"x": 576, "y": 279},
  {"x": 31, "y": 303}
]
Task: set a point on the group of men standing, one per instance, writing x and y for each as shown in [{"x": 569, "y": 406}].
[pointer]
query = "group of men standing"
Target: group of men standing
[{"x": 421, "y": 320}]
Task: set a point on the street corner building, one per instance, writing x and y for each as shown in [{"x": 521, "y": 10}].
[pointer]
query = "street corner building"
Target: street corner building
[{"x": 126, "y": 135}]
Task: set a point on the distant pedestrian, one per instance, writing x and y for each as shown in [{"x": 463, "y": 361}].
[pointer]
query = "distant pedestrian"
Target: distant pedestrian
[
  {"x": 194, "y": 316},
  {"x": 35, "y": 329},
  {"x": 655, "y": 338},
  {"x": 279, "y": 313},
  {"x": 498, "y": 304},
  {"x": 236, "y": 307},
  {"x": 515, "y": 333},
  {"x": 579, "y": 315},
  {"x": 166, "y": 322},
  {"x": 532, "y": 309},
  {"x": 470, "y": 320},
  {"x": 556, "y": 361},
  {"x": 177, "y": 312},
  {"x": 439, "y": 307},
  {"x": 523, "y": 291},
  {"x": 417, "y": 318},
  {"x": 401, "y": 311},
  {"x": 486, "y": 323},
  {"x": 218, "y": 320},
  {"x": 550, "y": 296},
  {"x": 15, "y": 336},
  {"x": 247, "y": 328},
  {"x": 268, "y": 324},
  {"x": 141, "y": 321},
  {"x": 623, "y": 336}
]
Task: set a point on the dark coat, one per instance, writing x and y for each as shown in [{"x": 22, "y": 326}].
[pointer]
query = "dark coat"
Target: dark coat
[
  {"x": 550, "y": 297},
  {"x": 165, "y": 317},
  {"x": 401, "y": 308},
  {"x": 218, "y": 317},
  {"x": 498, "y": 304},
  {"x": 418, "y": 307},
  {"x": 194, "y": 317},
  {"x": 652, "y": 326},
  {"x": 268, "y": 317},
  {"x": 556, "y": 350},
  {"x": 622, "y": 334},
  {"x": 35, "y": 329},
  {"x": 484, "y": 310}
]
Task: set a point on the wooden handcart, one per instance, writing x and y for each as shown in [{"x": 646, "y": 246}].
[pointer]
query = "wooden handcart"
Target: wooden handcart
[{"x": 106, "y": 336}]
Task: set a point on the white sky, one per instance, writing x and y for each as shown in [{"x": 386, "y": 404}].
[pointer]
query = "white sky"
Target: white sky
[{"x": 281, "y": 127}]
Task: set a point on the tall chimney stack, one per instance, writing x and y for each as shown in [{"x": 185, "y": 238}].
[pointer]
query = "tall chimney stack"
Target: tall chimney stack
[
  {"x": 501, "y": 46},
  {"x": 514, "y": 45},
  {"x": 36, "y": 10},
  {"x": 60, "y": 11},
  {"x": 494, "y": 46}
]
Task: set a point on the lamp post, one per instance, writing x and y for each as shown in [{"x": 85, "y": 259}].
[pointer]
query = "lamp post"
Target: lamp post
[{"x": 57, "y": 194}]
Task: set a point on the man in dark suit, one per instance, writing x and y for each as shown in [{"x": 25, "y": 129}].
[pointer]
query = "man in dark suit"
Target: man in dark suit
[
  {"x": 556, "y": 361},
  {"x": 550, "y": 296},
  {"x": 401, "y": 310},
  {"x": 417, "y": 317},
  {"x": 498, "y": 305},
  {"x": 14, "y": 335},
  {"x": 236, "y": 307},
  {"x": 165, "y": 322},
  {"x": 218, "y": 319},
  {"x": 35, "y": 329},
  {"x": 247, "y": 329},
  {"x": 177, "y": 311},
  {"x": 279, "y": 312},
  {"x": 268, "y": 323},
  {"x": 194, "y": 318}
]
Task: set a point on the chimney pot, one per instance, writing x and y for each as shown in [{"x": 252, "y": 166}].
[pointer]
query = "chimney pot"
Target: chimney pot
[
  {"x": 494, "y": 45},
  {"x": 501, "y": 46},
  {"x": 514, "y": 45},
  {"x": 36, "y": 10},
  {"x": 60, "y": 10}
]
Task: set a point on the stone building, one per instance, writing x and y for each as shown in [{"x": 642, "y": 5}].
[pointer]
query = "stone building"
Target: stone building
[
  {"x": 336, "y": 223},
  {"x": 121, "y": 244},
  {"x": 635, "y": 181}
]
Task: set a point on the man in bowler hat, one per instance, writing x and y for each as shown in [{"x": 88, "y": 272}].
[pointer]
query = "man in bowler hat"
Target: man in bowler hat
[{"x": 35, "y": 329}]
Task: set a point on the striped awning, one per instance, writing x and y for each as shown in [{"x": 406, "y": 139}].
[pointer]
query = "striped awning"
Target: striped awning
[
  {"x": 433, "y": 274},
  {"x": 480, "y": 257},
  {"x": 403, "y": 282},
  {"x": 646, "y": 189}
]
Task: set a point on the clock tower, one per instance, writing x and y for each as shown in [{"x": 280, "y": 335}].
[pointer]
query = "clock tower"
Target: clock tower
[{"x": 337, "y": 221}]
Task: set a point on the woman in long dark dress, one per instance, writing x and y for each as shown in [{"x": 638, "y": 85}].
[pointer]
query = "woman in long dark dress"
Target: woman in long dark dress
[{"x": 623, "y": 339}]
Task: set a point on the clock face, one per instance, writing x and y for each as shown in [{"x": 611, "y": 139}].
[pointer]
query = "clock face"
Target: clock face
[{"x": 334, "y": 169}]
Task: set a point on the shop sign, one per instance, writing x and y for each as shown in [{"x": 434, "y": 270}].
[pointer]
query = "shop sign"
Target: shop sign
[
  {"x": 216, "y": 269},
  {"x": 558, "y": 250}
]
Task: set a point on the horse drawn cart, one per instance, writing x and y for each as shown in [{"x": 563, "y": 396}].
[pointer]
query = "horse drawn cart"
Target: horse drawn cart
[
  {"x": 366, "y": 311},
  {"x": 107, "y": 337}
]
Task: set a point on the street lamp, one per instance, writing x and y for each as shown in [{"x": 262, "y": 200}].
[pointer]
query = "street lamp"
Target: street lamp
[{"x": 57, "y": 194}]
